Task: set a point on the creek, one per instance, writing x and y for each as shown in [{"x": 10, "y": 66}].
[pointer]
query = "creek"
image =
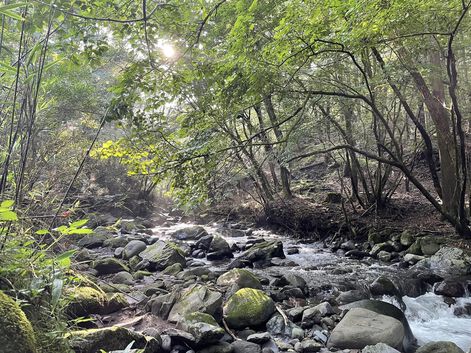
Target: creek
[{"x": 430, "y": 318}]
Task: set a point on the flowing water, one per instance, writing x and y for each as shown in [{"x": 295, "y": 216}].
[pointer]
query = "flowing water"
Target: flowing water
[{"x": 430, "y": 318}]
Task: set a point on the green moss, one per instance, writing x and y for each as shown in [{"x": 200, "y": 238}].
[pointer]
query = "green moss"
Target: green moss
[
  {"x": 240, "y": 277},
  {"x": 16, "y": 332},
  {"x": 141, "y": 274},
  {"x": 109, "y": 339},
  {"x": 248, "y": 307},
  {"x": 197, "y": 316},
  {"x": 175, "y": 247},
  {"x": 85, "y": 301}
]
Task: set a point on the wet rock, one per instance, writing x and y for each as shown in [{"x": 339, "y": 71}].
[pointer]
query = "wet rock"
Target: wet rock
[
  {"x": 238, "y": 279},
  {"x": 379, "y": 348},
  {"x": 415, "y": 248},
  {"x": 162, "y": 254},
  {"x": 222, "y": 347},
  {"x": 407, "y": 238},
  {"x": 277, "y": 326},
  {"x": 450, "y": 289},
  {"x": 384, "y": 256},
  {"x": 292, "y": 251},
  {"x": 203, "y": 327},
  {"x": 109, "y": 339},
  {"x": 317, "y": 312},
  {"x": 84, "y": 301},
  {"x": 16, "y": 332},
  {"x": 357, "y": 254},
  {"x": 189, "y": 233},
  {"x": 448, "y": 262},
  {"x": 248, "y": 307},
  {"x": 161, "y": 305},
  {"x": 109, "y": 266},
  {"x": 361, "y": 327},
  {"x": 351, "y": 296},
  {"x": 259, "y": 338},
  {"x": 377, "y": 248},
  {"x": 295, "y": 314},
  {"x": 308, "y": 346},
  {"x": 123, "y": 277},
  {"x": 196, "y": 298},
  {"x": 204, "y": 243},
  {"x": 412, "y": 258},
  {"x": 440, "y": 347},
  {"x": 382, "y": 308},
  {"x": 245, "y": 347},
  {"x": 116, "y": 242},
  {"x": 429, "y": 245},
  {"x": 264, "y": 252},
  {"x": 172, "y": 269},
  {"x": 94, "y": 240},
  {"x": 384, "y": 286},
  {"x": 133, "y": 248},
  {"x": 179, "y": 337}
]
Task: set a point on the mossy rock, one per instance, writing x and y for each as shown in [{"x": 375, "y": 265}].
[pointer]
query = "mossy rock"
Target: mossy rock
[
  {"x": 163, "y": 254},
  {"x": 108, "y": 266},
  {"x": 141, "y": 274},
  {"x": 248, "y": 307},
  {"x": 415, "y": 248},
  {"x": 172, "y": 270},
  {"x": 203, "y": 327},
  {"x": 85, "y": 301},
  {"x": 16, "y": 332},
  {"x": 109, "y": 339},
  {"x": 240, "y": 278},
  {"x": 196, "y": 298}
]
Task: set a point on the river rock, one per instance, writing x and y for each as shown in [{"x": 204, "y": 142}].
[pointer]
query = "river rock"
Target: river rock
[
  {"x": 259, "y": 338},
  {"x": 84, "y": 301},
  {"x": 450, "y": 289},
  {"x": 162, "y": 254},
  {"x": 133, "y": 248},
  {"x": 196, "y": 298},
  {"x": 317, "y": 312},
  {"x": 116, "y": 242},
  {"x": 264, "y": 252},
  {"x": 361, "y": 327},
  {"x": 277, "y": 326},
  {"x": 412, "y": 258},
  {"x": 248, "y": 307},
  {"x": 189, "y": 233},
  {"x": 440, "y": 347},
  {"x": 384, "y": 286},
  {"x": 219, "y": 249},
  {"x": 431, "y": 244},
  {"x": 161, "y": 305},
  {"x": 109, "y": 339},
  {"x": 245, "y": 347},
  {"x": 91, "y": 241},
  {"x": 108, "y": 266},
  {"x": 447, "y": 262},
  {"x": 379, "y": 348},
  {"x": 172, "y": 270},
  {"x": 16, "y": 332},
  {"x": 203, "y": 327},
  {"x": 221, "y": 347},
  {"x": 238, "y": 279},
  {"x": 308, "y": 346},
  {"x": 123, "y": 277}
]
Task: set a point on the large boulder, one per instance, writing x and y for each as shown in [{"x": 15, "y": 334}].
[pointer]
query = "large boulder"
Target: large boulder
[
  {"x": 189, "y": 233},
  {"x": 447, "y": 262},
  {"x": 133, "y": 248},
  {"x": 16, "y": 332},
  {"x": 248, "y": 307},
  {"x": 239, "y": 278},
  {"x": 109, "y": 339},
  {"x": 361, "y": 327},
  {"x": 409, "y": 343},
  {"x": 440, "y": 347},
  {"x": 163, "y": 254},
  {"x": 219, "y": 249},
  {"x": 196, "y": 298}
]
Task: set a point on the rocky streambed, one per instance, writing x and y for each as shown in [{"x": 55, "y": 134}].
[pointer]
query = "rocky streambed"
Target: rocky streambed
[{"x": 231, "y": 288}]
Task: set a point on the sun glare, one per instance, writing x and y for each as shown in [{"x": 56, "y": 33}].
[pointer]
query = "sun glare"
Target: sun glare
[{"x": 168, "y": 50}]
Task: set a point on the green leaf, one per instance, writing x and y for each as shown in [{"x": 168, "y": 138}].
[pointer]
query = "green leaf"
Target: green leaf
[
  {"x": 7, "y": 203},
  {"x": 8, "y": 216},
  {"x": 64, "y": 258},
  {"x": 78, "y": 224},
  {"x": 12, "y": 6},
  {"x": 79, "y": 231},
  {"x": 56, "y": 292},
  {"x": 42, "y": 232},
  {"x": 11, "y": 14}
]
